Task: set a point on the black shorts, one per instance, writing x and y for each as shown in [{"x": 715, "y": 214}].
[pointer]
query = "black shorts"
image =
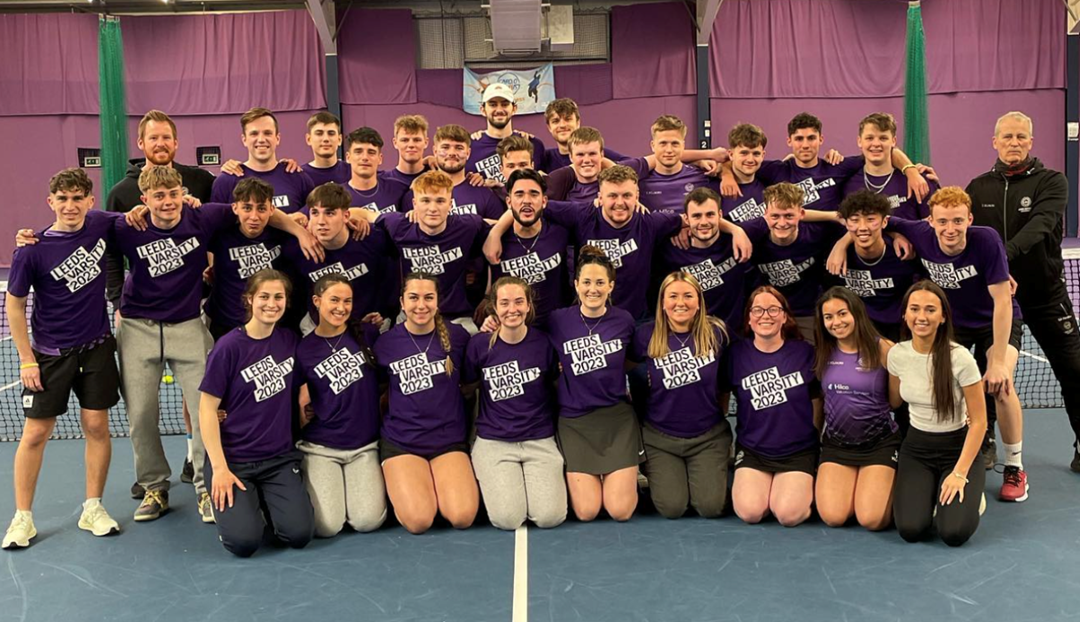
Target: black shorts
[
  {"x": 983, "y": 338},
  {"x": 89, "y": 370},
  {"x": 389, "y": 450},
  {"x": 882, "y": 452},
  {"x": 805, "y": 461}
]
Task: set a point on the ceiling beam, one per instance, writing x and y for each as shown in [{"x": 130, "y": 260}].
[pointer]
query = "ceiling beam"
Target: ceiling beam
[
  {"x": 706, "y": 15},
  {"x": 322, "y": 14}
]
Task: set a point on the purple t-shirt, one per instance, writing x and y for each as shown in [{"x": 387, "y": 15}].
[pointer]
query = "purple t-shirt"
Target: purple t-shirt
[
  {"x": 666, "y": 192},
  {"x": 964, "y": 277},
  {"x": 427, "y": 411},
  {"x": 775, "y": 417},
  {"x": 554, "y": 160},
  {"x": 822, "y": 183},
  {"x": 165, "y": 282},
  {"x": 856, "y": 401},
  {"x": 749, "y": 206},
  {"x": 67, "y": 273},
  {"x": 237, "y": 257},
  {"x": 398, "y": 176},
  {"x": 881, "y": 283},
  {"x": 630, "y": 248},
  {"x": 894, "y": 188},
  {"x": 683, "y": 387},
  {"x": 254, "y": 379},
  {"x": 359, "y": 260},
  {"x": 484, "y": 158},
  {"x": 290, "y": 189},
  {"x": 516, "y": 404},
  {"x": 339, "y": 173},
  {"x": 540, "y": 262},
  {"x": 480, "y": 201},
  {"x": 387, "y": 196},
  {"x": 797, "y": 270},
  {"x": 445, "y": 254},
  {"x": 344, "y": 389},
  {"x": 563, "y": 184},
  {"x": 722, "y": 279},
  {"x": 592, "y": 352}
]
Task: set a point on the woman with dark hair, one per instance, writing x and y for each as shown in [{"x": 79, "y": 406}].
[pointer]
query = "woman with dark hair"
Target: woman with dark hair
[
  {"x": 687, "y": 438},
  {"x": 779, "y": 412},
  {"x": 597, "y": 428},
  {"x": 339, "y": 414},
  {"x": 251, "y": 462},
  {"x": 860, "y": 441},
  {"x": 515, "y": 455},
  {"x": 935, "y": 484},
  {"x": 423, "y": 448}
]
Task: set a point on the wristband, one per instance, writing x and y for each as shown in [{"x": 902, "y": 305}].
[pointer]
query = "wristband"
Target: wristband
[
  {"x": 903, "y": 171},
  {"x": 27, "y": 365},
  {"x": 957, "y": 475}
]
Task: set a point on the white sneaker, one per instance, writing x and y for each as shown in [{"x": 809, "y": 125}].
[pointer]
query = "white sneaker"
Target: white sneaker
[
  {"x": 97, "y": 521},
  {"x": 20, "y": 532}
]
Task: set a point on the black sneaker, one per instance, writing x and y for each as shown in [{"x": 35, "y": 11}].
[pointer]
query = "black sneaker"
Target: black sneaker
[
  {"x": 188, "y": 474},
  {"x": 1075, "y": 466},
  {"x": 989, "y": 453},
  {"x": 137, "y": 491}
]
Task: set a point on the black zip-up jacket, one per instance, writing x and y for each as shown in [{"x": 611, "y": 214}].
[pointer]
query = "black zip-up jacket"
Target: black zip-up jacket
[{"x": 1028, "y": 211}]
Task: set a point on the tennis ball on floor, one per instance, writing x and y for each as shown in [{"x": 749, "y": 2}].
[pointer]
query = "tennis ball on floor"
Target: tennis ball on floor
[{"x": 167, "y": 379}]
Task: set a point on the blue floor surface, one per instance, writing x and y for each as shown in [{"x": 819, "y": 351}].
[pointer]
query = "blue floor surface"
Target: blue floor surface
[{"x": 1019, "y": 566}]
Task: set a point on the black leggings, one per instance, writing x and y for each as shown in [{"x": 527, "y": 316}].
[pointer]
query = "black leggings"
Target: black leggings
[{"x": 926, "y": 459}]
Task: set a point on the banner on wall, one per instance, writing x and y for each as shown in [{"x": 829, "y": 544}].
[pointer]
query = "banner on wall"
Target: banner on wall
[{"x": 533, "y": 89}]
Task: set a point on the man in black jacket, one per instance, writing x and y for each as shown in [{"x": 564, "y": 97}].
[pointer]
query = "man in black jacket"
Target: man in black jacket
[{"x": 1025, "y": 203}]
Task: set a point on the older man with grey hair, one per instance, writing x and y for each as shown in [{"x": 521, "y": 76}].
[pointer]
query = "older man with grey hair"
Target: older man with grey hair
[{"x": 1025, "y": 203}]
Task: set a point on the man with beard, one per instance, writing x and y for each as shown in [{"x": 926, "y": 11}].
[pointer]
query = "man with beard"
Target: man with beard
[
  {"x": 324, "y": 137},
  {"x": 498, "y": 108},
  {"x": 452, "y": 152}
]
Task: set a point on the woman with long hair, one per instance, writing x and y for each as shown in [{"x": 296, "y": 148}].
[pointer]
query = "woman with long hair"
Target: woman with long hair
[
  {"x": 251, "y": 461},
  {"x": 339, "y": 414},
  {"x": 860, "y": 439},
  {"x": 687, "y": 438},
  {"x": 515, "y": 455},
  {"x": 935, "y": 482},
  {"x": 778, "y": 413},
  {"x": 597, "y": 428},
  {"x": 423, "y": 447}
]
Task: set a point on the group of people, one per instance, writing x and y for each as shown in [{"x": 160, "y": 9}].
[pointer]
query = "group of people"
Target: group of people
[{"x": 546, "y": 329}]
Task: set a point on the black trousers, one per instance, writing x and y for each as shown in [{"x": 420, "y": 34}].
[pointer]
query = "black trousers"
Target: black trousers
[
  {"x": 273, "y": 485},
  {"x": 1051, "y": 320},
  {"x": 926, "y": 459}
]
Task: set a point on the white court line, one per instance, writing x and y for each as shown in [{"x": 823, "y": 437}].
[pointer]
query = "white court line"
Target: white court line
[
  {"x": 521, "y": 575},
  {"x": 1035, "y": 356}
]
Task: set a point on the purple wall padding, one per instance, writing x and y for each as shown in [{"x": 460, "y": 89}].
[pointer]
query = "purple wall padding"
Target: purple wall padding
[
  {"x": 652, "y": 50},
  {"x": 585, "y": 84},
  {"x": 48, "y": 64},
  {"x": 377, "y": 56},
  {"x": 223, "y": 64},
  {"x": 850, "y": 48},
  {"x": 961, "y": 125}
]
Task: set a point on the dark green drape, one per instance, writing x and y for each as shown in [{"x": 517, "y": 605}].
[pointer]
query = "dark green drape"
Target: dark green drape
[
  {"x": 916, "y": 118},
  {"x": 113, "y": 115}
]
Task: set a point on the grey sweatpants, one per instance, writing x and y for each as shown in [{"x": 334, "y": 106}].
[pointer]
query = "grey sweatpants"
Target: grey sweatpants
[
  {"x": 145, "y": 346},
  {"x": 521, "y": 480},
  {"x": 345, "y": 485}
]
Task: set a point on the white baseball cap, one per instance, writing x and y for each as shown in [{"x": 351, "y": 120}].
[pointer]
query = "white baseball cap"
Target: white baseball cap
[{"x": 498, "y": 89}]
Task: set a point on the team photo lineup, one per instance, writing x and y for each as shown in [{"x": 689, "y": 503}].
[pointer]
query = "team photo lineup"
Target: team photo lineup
[{"x": 494, "y": 325}]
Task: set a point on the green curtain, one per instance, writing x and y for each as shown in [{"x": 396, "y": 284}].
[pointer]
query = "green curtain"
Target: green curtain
[
  {"x": 113, "y": 115},
  {"x": 916, "y": 117}
]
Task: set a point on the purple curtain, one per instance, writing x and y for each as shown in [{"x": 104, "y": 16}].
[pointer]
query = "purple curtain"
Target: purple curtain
[
  {"x": 377, "y": 56},
  {"x": 223, "y": 64},
  {"x": 585, "y": 84},
  {"x": 855, "y": 48},
  {"x": 50, "y": 64},
  {"x": 652, "y": 50}
]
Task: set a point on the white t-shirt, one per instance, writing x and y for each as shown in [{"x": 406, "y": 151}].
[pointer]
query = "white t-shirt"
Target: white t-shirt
[{"x": 916, "y": 385}]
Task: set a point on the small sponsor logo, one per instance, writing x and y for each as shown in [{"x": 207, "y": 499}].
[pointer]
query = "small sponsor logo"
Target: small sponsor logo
[
  {"x": 28, "y": 401},
  {"x": 1025, "y": 202}
]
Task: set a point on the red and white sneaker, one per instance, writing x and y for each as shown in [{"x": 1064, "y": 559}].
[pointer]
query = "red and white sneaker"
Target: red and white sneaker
[{"x": 1015, "y": 486}]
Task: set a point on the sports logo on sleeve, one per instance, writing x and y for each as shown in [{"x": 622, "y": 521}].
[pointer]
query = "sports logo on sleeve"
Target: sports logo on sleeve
[
  {"x": 947, "y": 275},
  {"x": 352, "y": 273},
  {"x": 708, "y": 274},
  {"x": 81, "y": 267},
  {"x": 615, "y": 249},
  {"x": 508, "y": 380},
  {"x": 415, "y": 373},
  {"x": 748, "y": 210},
  {"x": 768, "y": 388},
  {"x": 268, "y": 376},
  {"x": 530, "y": 268},
  {"x": 681, "y": 368},
  {"x": 431, "y": 259},
  {"x": 588, "y": 354},
  {"x": 253, "y": 258},
  {"x": 863, "y": 283},
  {"x": 341, "y": 369},
  {"x": 785, "y": 272},
  {"x": 165, "y": 255}
]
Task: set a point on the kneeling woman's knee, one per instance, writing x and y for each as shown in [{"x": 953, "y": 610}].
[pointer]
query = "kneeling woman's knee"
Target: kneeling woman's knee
[
  {"x": 242, "y": 544},
  {"x": 790, "y": 515}
]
